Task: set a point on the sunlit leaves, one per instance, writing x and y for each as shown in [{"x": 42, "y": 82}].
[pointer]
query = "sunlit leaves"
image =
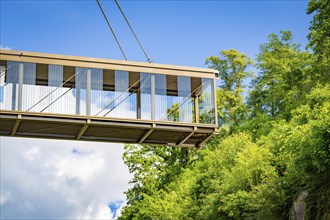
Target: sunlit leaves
[{"x": 233, "y": 68}]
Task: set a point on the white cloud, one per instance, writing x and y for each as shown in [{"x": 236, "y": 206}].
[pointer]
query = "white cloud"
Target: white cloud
[
  {"x": 4, "y": 47},
  {"x": 61, "y": 179},
  {"x": 80, "y": 166},
  {"x": 3, "y": 199},
  {"x": 32, "y": 154},
  {"x": 103, "y": 213}
]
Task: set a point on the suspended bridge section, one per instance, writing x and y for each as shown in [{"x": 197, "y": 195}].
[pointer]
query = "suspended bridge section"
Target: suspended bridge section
[{"x": 92, "y": 99}]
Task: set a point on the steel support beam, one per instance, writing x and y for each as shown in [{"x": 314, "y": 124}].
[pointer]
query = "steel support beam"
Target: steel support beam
[
  {"x": 208, "y": 137},
  {"x": 83, "y": 129},
  {"x": 175, "y": 145},
  {"x": 186, "y": 138},
  {"x": 147, "y": 134},
  {"x": 17, "y": 123}
]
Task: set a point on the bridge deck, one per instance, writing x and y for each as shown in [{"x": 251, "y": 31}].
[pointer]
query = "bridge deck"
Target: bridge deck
[{"x": 73, "y": 127}]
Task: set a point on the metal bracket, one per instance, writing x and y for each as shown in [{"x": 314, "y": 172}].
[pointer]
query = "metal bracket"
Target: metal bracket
[
  {"x": 208, "y": 137},
  {"x": 17, "y": 123},
  {"x": 147, "y": 134},
  {"x": 83, "y": 129}
]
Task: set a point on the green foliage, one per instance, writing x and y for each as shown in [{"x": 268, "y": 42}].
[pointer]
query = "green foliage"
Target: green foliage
[
  {"x": 173, "y": 112},
  {"x": 311, "y": 136},
  {"x": 233, "y": 69},
  {"x": 172, "y": 202},
  {"x": 228, "y": 176},
  {"x": 283, "y": 79},
  {"x": 301, "y": 149},
  {"x": 206, "y": 112},
  {"x": 319, "y": 36},
  {"x": 153, "y": 169}
]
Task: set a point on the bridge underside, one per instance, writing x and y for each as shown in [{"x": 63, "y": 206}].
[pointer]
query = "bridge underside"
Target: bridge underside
[{"x": 83, "y": 128}]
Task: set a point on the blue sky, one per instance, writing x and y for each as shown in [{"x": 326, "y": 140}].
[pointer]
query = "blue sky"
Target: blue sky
[
  {"x": 172, "y": 32},
  {"x": 87, "y": 180}
]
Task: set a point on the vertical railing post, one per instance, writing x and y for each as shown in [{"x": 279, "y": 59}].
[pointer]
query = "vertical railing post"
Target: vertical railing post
[
  {"x": 138, "y": 103},
  {"x": 214, "y": 91},
  {"x": 78, "y": 76},
  {"x": 20, "y": 87},
  {"x": 153, "y": 97},
  {"x": 88, "y": 91},
  {"x": 196, "y": 108},
  {"x": 2, "y": 83}
]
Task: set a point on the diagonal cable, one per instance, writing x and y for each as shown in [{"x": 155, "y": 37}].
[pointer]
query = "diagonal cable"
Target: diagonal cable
[
  {"x": 119, "y": 96},
  {"x": 117, "y": 105},
  {"x": 180, "y": 104},
  {"x": 126, "y": 97},
  {"x": 56, "y": 100},
  {"x": 77, "y": 83},
  {"x": 129, "y": 25},
  {"x": 60, "y": 86},
  {"x": 113, "y": 33},
  {"x": 4, "y": 71}
]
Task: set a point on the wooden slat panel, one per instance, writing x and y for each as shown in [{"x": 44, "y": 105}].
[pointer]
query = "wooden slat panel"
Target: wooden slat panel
[
  {"x": 113, "y": 132},
  {"x": 108, "y": 80},
  {"x": 6, "y": 126},
  {"x": 196, "y": 138},
  {"x": 134, "y": 77},
  {"x": 69, "y": 71},
  {"x": 48, "y": 128},
  {"x": 42, "y": 74},
  {"x": 196, "y": 83},
  {"x": 166, "y": 136},
  {"x": 3, "y": 63}
]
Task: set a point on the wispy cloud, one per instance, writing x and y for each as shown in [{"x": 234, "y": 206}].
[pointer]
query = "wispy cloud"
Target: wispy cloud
[
  {"x": 4, "y": 47},
  {"x": 3, "y": 199}
]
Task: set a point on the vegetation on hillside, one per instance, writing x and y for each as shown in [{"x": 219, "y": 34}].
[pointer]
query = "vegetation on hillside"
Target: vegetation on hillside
[{"x": 274, "y": 146}]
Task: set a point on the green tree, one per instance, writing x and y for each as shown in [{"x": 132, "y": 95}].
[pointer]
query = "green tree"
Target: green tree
[
  {"x": 173, "y": 202},
  {"x": 228, "y": 178},
  {"x": 301, "y": 150},
  {"x": 319, "y": 36},
  {"x": 284, "y": 79},
  {"x": 233, "y": 68},
  {"x": 153, "y": 169}
]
